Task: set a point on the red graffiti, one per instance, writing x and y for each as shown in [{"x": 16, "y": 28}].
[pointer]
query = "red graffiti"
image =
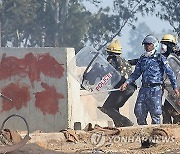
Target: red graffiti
[
  {"x": 31, "y": 66},
  {"x": 47, "y": 101},
  {"x": 19, "y": 94}
]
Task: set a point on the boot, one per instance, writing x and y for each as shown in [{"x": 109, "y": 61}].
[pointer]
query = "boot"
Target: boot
[{"x": 118, "y": 119}]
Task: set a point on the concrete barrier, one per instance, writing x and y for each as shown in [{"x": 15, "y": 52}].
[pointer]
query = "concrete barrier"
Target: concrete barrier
[
  {"x": 43, "y": 91},
  {"x": 36, "y": 80},
  {"x": 45, "y": 94}
]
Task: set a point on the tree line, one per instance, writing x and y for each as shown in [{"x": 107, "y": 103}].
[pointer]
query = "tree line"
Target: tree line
[{"x": 68, "y": 23}]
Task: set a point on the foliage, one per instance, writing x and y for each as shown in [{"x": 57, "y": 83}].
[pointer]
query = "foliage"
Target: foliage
[
  {"x": 16, "y": 16},
  {"x": 125, "y": 13},
  {"x": 135, "y": 41},
  {"x": 68, "y": 23},
  {"x": 170, "y": 11},
  {"x": 43, "y": 23}
]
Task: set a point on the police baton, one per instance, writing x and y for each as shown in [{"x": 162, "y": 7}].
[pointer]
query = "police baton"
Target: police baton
[
  {"x": 110, "y": 90},
  {"x": 3, "y": 96}
]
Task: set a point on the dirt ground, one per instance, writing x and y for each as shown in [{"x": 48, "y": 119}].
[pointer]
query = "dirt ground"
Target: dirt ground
[
  {"x": 83, "y": 147},
  {"x": 108, "y": 141}
]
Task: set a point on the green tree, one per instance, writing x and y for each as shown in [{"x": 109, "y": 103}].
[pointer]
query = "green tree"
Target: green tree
[
  {"x": 44, "y": 23},
  {"x": 170, "y": 11},
  {"x": 135, "y": 40},
  {"x": 67, "y": 23},
  {"x": 16, "y": 16},
  {"x": 125, "y": 13}
]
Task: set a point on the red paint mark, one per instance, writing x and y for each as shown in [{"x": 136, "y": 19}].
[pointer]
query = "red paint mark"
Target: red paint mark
[
  {"x": 47, "y": 101},
  {"x": 49, "y": 66},
  {"x": 19, "y": 94},
  {"x": 10, "y": 66},
  {"x": 31, "y": 66}
]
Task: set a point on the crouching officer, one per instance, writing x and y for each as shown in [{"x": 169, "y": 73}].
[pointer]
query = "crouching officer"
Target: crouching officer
[
  {"x": 169, "y": 45},
  {"x": 117, "y": 99}
]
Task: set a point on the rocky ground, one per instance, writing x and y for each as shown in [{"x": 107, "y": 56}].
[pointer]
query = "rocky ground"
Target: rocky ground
[
  {"x": 59, "y": 147},
  {"x": 106, "y": 140}
]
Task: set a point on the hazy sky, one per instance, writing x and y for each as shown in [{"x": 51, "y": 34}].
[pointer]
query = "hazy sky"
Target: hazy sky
[{"x": 155, "y": 24}]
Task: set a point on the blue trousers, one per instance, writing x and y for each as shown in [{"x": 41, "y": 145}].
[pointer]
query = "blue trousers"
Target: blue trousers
[{"x": 149, "y": 100}]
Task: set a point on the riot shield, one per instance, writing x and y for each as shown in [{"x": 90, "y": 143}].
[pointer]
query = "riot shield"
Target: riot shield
[
  {"x": 93, "y": 72},
  {"x": 174, "y": 62}
]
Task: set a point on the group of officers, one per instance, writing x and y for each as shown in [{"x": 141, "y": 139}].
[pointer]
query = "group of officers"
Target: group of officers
[{"x": 152, "y": 65}]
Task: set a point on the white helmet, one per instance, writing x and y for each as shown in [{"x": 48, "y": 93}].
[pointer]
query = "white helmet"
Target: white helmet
[{"x": 150, "y": 39}]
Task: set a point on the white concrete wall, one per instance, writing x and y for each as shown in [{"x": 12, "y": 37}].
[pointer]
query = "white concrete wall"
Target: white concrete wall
[
  {"x": 36, "y": 80},
  {"x": 82, "y": 109},
  {"x": 91, "y": 113},
  {"x": 49, "y": 102},
  {"x": 45, "y": 94}
]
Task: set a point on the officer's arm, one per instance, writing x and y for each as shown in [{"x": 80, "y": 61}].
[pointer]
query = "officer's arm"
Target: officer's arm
[
  {"x": 136, "y": 74},
  {"x": 133, "y": 61},
  {"x": 169, "y": 72}
]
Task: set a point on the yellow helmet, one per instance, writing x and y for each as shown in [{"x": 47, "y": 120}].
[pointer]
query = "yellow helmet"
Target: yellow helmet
[
  {"x": 169, "y": 38},
  {"x": 114, "y": 47}
]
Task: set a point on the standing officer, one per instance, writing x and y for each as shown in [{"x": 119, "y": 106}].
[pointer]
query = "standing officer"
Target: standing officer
[
  {"x": 118, "y": 98},
  {"x": 170, "y": 115},
  {"x": 152, "y": 67}
]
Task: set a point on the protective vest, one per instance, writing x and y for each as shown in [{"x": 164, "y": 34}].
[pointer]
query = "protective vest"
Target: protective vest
[{"x": 121, "y": 65}]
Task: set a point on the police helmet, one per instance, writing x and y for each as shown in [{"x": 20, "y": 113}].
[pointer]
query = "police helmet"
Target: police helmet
[
  {"x": 114, "y": 47},
  {"x": 169, "y": 38},
  {"x": 150, "y": 39}
]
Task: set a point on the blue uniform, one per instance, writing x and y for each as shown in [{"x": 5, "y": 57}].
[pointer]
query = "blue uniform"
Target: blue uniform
[{"x": 149, "y": 98}]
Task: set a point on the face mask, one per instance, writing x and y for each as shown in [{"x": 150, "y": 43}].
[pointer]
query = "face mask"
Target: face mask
[
  {"x": 150, "y": 53},
  {"x": 163, "y": 48}
]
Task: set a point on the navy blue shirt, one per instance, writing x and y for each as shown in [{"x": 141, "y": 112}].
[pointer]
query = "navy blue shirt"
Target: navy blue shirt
[{"x": 152, "y": 70}]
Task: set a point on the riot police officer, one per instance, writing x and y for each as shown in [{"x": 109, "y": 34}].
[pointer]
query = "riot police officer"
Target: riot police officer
[
  {"x": 169, "y": 45},
  {"x": 117, "y": 99},
  {"x": 152, "y": 67}
]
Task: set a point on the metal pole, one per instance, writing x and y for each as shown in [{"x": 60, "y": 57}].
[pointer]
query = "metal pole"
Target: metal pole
[{"x": 98, "y": 92}]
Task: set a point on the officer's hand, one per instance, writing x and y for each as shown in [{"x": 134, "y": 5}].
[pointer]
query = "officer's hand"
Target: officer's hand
[
  {"x": 176, "y": 91},
  {"x": 123, "y": 86}
]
